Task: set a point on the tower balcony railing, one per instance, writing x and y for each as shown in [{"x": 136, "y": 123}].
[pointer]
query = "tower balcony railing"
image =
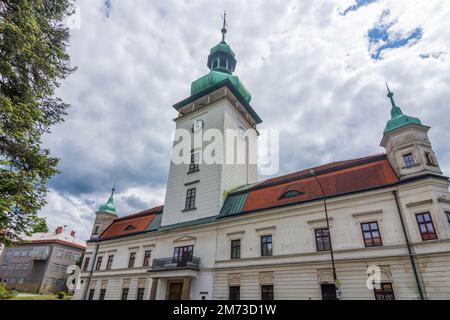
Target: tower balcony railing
[{"x": 176, "y": 263}]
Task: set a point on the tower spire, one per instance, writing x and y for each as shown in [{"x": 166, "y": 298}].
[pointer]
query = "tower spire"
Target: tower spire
[
  {"x": 398, "y": 119},
  {"x": 109, "y": 205},
  {"x": 390, "y": 95},
  {"x": 113, "y": 190},
  {"x": 224, "y": 28},
  {"x": 395, "y": 110}
]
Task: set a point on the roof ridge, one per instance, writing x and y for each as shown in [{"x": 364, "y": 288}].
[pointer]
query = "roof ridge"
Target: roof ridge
[
  {"x": 354, "y": 163},
  {"x": 141, "y": 213}
]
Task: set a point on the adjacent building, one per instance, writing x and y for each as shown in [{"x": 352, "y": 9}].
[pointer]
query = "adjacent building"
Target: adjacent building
[
  {"x": 39, "y": 262},
  {"x": 222, "y": 234}
]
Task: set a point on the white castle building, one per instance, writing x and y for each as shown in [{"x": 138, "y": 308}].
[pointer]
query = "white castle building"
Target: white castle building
[{"x": 376, "y": 227}]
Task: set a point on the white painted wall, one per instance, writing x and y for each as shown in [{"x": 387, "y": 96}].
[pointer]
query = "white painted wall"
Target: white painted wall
[
  {"x": 296, "y": 265},
  {"x": 214, "y": 179}
]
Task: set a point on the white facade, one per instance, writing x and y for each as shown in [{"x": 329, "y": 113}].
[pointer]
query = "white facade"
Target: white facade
[
  {"x": 295, "y": 270},
  {"x": 212, "y": 180},
  {"x": 189, "y": 245}
]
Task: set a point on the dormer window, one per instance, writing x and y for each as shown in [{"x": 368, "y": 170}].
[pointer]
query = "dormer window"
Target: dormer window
[
  {"x": 130, "y": 227},
  {"x": 409, "y": 160},
  {"x": 291, "y": 194}
]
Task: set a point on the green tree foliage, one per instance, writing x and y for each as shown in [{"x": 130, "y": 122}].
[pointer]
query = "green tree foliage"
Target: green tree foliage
[
  {"x": 33, "y": 59},
  {"x": 40, "y": 225}
]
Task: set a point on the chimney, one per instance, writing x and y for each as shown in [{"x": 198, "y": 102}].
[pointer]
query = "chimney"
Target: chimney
[
  {"x": 59, "y": 230},
  {"x": 72, "y": 233}
]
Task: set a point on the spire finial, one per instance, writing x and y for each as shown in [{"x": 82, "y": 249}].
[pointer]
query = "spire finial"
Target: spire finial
[
  {"x": 395, "y": 110},
  {"x": 224, "y": 28},
  {"x": 112, "y": 193},
  {"x": 390, "y": 95}
]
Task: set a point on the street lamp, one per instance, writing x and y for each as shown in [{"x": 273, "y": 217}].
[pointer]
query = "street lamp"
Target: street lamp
[{"x": 329, "y": 233}]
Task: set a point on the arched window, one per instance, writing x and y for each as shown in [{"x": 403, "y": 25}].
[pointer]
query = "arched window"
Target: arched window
[
  {"x": 130, "y": 227},
  {"x": 291, "y": 194}
]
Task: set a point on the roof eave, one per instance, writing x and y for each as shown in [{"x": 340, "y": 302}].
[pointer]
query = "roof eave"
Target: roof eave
[{"x": 214, "y": 87}]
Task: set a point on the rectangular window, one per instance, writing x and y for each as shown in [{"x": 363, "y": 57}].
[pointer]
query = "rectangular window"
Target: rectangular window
[
  {"x": 86, "y": 263},
  {"x": 182, "y": 255},
  {"x": 147, "y": 255},
  {"x": 102, "y": 294},
  {"x": 235, "y": 293},
  {"x": 96, "y": 230},
  {"x": 328, "y": 291},
  {"x": 371, "y": 234},
  {"x": 59, "y": 253},
  {"x": 109, "y": 262},
  {"x": 447, "y": 213},
  {"x": 409, "y": 160},
  {"x": 124, "y": 293},
  {"x": 266, "y": 245},
  {"x": 235, "y": 249},
  {"x": 194, "y": 165},
  {"x": 140, "y": 294},
  {"x": 267, "y": 292},
  {"x": 131, "y": 260},
  {"x": 190, "y": 199},
  {"x": 386, "y": 292},
  {"x": 322, "y": 239},
  {"x": 91, "y": 294},
  {"x": 99, "y": 263},
  {"x": 426, "y": 226}
]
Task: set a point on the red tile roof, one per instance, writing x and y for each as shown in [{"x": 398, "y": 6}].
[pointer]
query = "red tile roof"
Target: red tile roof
[
  {"x": 336, "y": 178},
  {"x": 131, "y": 224}
]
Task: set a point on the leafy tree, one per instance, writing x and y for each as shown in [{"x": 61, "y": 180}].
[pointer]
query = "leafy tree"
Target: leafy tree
[
  {"x": 40, "y": 225},
  {"x": 33, "y": 59}
]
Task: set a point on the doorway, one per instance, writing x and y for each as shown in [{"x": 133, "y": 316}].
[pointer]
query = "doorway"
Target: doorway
[
  {"x": 175, "y": 289},
  {"x": 328, "y": 291}
]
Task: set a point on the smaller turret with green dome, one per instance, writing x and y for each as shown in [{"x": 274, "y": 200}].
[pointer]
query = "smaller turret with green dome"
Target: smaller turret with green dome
[
  {"x": 222, "y": 63},
  {"x": 398, "y": 119},
  {"x": 109, "y": 207}
]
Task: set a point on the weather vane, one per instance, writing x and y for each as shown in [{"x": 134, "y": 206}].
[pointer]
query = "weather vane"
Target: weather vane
[{"x": 224, "y": 28}]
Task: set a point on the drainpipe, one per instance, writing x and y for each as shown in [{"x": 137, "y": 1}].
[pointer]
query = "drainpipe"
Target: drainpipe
[
  {"x": 329, "y": 231},
  {"x": 88, "y": 281},
  {"x": 408, "y": 244}
]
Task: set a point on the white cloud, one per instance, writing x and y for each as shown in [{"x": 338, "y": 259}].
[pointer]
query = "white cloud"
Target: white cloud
[{"x": 307, "y": 67}]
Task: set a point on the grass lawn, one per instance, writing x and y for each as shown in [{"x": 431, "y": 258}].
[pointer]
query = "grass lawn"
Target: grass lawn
[{"x": 39, "y": 297}]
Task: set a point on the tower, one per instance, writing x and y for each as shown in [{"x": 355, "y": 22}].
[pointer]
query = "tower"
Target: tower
[
  {"x": 407, "y": 145},
  {"x": 219, "y": 103},
  {"x": 105, "y": 215}
]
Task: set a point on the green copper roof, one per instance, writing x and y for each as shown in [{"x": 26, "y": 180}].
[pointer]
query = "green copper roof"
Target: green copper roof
[
  {"x": 222, "y": 46},
  {"x": 214, "y": 77},
  {"x": 108, "y": 207},
  {"x": 233, "y": 204},
  {"x": 221, "y": 62},
  {"x": 398, "y": 119},
  {"x": 214, "y": 87}
]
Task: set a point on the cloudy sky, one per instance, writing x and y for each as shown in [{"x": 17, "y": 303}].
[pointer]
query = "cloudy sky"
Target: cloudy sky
[{"x": 316, "y": 70}]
